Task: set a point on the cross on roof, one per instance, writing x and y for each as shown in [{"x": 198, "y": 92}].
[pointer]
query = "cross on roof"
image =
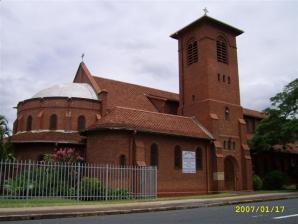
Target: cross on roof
[
  {"x": 205, "y": 11},
  {"x": 83, "y": 55}
]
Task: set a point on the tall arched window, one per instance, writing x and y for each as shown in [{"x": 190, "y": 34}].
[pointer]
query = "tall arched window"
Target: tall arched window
[
  {"x": 29, "y": 123},
  {"x": 222, "y": 50},
  {"x": 154, "y": 155},
  {"x": 40, "y": 157},
  {"x": 122, "y": 160},
  {"x": 81, "y": 122},
  {"x": 53, "y": 122},
  {"x": 230, "y": 143},
  {"x": 178, "y": 157},
  {"x": 192, "y": 52},
  {"x": 199, "y": 158},
  {"x": 227, "y": 113},
  {"x": 234, "y": 145}
]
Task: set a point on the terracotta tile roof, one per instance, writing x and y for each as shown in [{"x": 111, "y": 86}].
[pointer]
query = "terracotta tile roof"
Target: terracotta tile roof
[
  {"x": 47, "y": 136},
  {"x": 131, "y": 95},
  {"x": 253, "y": 113},
  {"x": 207, "y": 19},
  {"x": 147, "y": 121},
  {"x": 288, "y": 148}
]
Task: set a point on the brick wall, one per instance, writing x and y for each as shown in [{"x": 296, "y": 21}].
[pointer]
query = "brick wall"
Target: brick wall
[
  {"x": 107, "y": 146},
  {"x": 67, "y": 109}
]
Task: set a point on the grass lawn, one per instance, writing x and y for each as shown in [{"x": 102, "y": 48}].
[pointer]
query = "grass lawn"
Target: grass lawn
[{"x": 14, "y": 203}]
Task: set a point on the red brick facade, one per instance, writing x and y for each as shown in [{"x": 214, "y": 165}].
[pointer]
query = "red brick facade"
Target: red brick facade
[
  {"x": 126, "y": 119},
  {"x": 209, "y": 88},
  {"x": 108, "y": 146}
]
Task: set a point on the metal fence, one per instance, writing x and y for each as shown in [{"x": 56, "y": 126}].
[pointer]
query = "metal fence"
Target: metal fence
[{"x": 28, "y": 179}]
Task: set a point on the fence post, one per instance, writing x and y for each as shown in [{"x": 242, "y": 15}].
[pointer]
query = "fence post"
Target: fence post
[
  {"x": 155, "y": 181},
  {"x": 78, "y": 182},
  {"x": 28, "y": 179},
  {"x": 107, "y": 179}
]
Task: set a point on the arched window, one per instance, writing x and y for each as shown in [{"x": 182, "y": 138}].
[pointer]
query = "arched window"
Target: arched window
[
  {"x": 53, "y": 122},
  {"x": 229, "y": 80},
  {"x": 154, "y": 155},
  {"x": 222, "y": 50},
  {"x": 178, "y": 158},
  {"x": 193, "y": 97},
  {"x": 218, "y": 77},
  {"x": 192, "y": 52},
  {"x": 81, "y": 122},
  {"x": 224, "y": 78},
  {"x": 122, "y": 160},
  {"x": 29, "y": 123},
  {"x": 225, "y": 145},
  {"x": 227, "y": 113},
  {"x": 234, "y": 145},
  {"x": 199, "y": 159},
  {"x": 40, "y": 157},
  {"x": 229, "y": 143}
]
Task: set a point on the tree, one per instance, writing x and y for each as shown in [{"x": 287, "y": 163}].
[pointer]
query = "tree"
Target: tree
[
  {"x": 5, "y": 146},
  {"x": 280, "y": 126}
]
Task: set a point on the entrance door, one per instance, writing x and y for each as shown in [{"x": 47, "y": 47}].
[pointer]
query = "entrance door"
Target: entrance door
[{"x": 230, "y": 175}]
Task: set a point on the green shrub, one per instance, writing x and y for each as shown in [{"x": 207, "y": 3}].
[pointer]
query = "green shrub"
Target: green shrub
[
  {"x": 56, "y": 181},
  {"x": 90, "y": 187},
  {"x": 41, "y": 181},
  {"x": 257, "y": 182},
  {"x": 275, "y": 180},
  {"x": 18, "y": 186},
  {"x": 119, "y": 193}
]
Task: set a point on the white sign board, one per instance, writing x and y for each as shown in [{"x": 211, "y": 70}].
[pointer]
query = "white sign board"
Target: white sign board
[{"x": 188, "y": 162}]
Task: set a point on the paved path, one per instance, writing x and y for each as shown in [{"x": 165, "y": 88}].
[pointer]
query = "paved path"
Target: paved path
[
  {"x": 212, "y": 215},
  {"x": 102, "y": 209}
]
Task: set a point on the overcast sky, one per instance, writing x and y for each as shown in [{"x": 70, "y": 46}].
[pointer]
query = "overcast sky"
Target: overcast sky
[{"x": 42, "y": 42}]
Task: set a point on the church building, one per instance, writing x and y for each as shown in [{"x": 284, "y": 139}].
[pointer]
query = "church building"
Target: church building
[{"x": 197, "y": 139}]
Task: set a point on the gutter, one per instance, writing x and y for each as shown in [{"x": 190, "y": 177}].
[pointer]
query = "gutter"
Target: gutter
[
  {"x": 44, "y": 141},
  {"x": 121, "y": 128}
]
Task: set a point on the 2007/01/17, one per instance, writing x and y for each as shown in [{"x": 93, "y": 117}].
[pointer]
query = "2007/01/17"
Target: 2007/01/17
[{"x": 259, "y": 208}]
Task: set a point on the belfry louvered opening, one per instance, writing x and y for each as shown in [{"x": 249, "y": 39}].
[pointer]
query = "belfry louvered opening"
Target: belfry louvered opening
[
  {"x": 192, "y": 52},
  {"x": 222, "y": 51}
]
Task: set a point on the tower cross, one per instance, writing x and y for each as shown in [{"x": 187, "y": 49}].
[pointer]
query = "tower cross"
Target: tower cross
[
  {"x": 205, "y": 11},
  {"x": 83, "y": 55}
]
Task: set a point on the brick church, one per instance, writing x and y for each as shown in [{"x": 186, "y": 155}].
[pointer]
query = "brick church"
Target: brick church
[{"x": 121, "y": 123}]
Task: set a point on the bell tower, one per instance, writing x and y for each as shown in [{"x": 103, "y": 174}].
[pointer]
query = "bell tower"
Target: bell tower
[{"x": 209, "y": 90}]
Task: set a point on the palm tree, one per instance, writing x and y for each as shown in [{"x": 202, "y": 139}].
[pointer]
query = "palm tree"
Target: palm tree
[{"x": 5, "y": 146}]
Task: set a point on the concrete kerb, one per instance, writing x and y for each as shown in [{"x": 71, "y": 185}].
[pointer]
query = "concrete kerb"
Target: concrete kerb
[{"x": 55, "y": 215}]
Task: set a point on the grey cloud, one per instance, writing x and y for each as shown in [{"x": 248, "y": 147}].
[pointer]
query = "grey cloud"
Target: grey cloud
[{"x": 42, "y": 41}]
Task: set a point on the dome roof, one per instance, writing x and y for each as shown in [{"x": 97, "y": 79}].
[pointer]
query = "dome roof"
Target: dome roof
[{"x": 79, "y": 90}]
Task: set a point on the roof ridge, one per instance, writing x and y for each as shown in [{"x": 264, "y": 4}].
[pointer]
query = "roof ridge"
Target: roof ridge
[
  {"x": 153, "y": 112},
  {"x": 204, "y": 17},
  {"x": 135, "y": 84},
  {"x": 207, "y": 132},
  {"x": 245, "y": 108}
]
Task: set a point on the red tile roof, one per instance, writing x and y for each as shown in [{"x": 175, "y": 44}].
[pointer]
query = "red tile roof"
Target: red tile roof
[
  {"x": 131, "y": 95},
  {"x": 136, "y": 96},
  {"x": 288, "y": 148},
  {"x": 47, "y": 137},
  {"x": 206, "y": 19},
  {"x": 253, "y": 113},
  {"x": 140, "y": 120}
]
